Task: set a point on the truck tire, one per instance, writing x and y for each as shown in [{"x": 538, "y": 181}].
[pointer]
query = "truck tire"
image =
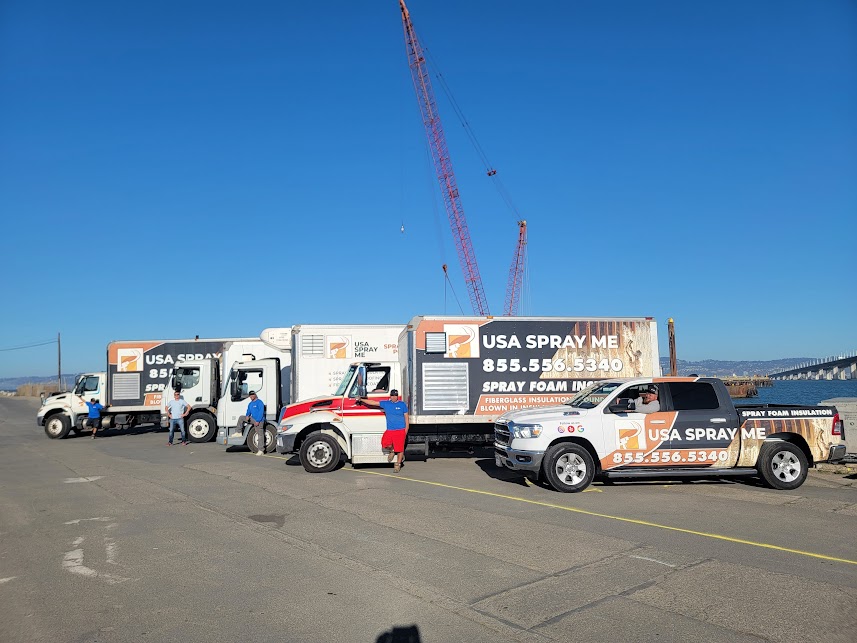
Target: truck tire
[
  {"x": 200, "y": 427},
  {"x": 568, "y": 467},
  {"x": 57, "y": 426},
  {"x": 270, "y": 439},
  {"x": 782, "y": 465},
  {"x": 320, "y": 453}
]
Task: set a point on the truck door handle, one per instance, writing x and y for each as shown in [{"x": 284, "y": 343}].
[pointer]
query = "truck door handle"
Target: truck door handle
[
  {"x": 199, "y": 399},
  {"x": 718, "y": 420}
]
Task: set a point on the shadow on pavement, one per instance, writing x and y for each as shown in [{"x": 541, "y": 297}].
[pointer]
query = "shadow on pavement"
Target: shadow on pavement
[
  {"x": 400, "y": 634},
  {"x": 143, "y": 429}
]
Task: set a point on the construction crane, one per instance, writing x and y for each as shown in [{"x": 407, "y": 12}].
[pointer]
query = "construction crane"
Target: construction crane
[
  {"x": 516, "y": 273},
  {"x": 443, "y": 165}
]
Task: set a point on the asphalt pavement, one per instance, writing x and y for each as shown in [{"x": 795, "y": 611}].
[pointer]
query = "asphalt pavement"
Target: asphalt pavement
[{"x": 123, "y": 538}]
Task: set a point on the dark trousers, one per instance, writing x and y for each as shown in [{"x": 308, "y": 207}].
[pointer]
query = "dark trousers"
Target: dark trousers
[{"x": 259, "y": 427}]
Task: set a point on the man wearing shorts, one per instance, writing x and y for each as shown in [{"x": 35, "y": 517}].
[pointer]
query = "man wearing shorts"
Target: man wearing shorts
[
  {"x": 93, "y": 418},
  {"x": 393, "y": 440}
]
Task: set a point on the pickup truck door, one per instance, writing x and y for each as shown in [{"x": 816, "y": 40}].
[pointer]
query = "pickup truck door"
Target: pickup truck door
[
  {"x": 635, "y": 439},
  {"x": 705, "y": 429}
]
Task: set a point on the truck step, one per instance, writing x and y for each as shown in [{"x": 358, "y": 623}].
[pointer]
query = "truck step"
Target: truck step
[{"x": 680, "y": 473}]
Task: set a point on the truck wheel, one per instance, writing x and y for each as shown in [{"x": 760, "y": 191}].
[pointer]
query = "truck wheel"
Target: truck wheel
[
  {"x": 200, "y": 427},
  {"x": 320, "y": 453},
  {"x": 270, "y": 439},
  {"x": 568, "y": 467},
  {"x": 782, "y": 465},
  {"x": 57, "y": 426}
]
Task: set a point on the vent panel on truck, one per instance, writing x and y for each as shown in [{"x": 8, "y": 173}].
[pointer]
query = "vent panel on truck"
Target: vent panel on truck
[
  {"x": 446, "y": 387},
  {"x": 312, "y": 345},
  {"x": 126, "y": 386}
]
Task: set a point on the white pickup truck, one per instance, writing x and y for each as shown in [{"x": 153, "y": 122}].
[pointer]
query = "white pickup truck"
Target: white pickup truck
[{"x": 695, "y": 431}]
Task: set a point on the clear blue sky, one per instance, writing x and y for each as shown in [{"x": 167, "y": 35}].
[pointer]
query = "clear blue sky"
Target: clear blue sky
[{"x": 169, "y": 169}]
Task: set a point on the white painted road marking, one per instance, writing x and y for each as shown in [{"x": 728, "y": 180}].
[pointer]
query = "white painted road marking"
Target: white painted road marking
[
  {"x": 6, "y": 580},
  {"x": 80, "y": 520},
  {"x": 652, "y": 560},
  {"x": 88, "y": 479},
  {"x": 73, "y": 562}
]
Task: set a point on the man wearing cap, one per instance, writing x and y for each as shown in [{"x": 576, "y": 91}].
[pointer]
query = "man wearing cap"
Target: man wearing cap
[
  {"x": 393, "y": 440},
  {"x": 256, "y": 417},
  {"x": 93, "y": 417},
  {"x": 648, "y": 400}
]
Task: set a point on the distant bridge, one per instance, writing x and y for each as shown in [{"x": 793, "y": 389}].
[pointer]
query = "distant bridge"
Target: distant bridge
[{"x": 838, "y": 367}]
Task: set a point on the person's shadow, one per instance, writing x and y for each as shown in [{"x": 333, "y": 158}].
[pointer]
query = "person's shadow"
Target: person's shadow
[{"x": 403, "y": 634}]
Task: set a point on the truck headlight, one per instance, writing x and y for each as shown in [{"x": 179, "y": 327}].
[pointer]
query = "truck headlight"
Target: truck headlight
[
  {"x": 526, "y": 430},
  {"x": 284, "y": 428}
]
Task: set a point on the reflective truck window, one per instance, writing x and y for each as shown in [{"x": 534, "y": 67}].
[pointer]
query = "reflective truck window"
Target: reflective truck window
[
  {"x": 187, "y": 377},
  {"x": 688, "y": 396}
]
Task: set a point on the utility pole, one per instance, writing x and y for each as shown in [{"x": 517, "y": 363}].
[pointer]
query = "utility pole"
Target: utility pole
[
  {"x": 671, "y": 332},
  {"x": 59, "y": 363}
]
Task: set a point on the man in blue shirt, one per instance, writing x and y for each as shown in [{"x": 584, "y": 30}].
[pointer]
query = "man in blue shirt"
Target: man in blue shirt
[
  {"x": 94, "y": 415},
  {"x": 256, "y": 417},
  {"x": 396, "y": 414}
]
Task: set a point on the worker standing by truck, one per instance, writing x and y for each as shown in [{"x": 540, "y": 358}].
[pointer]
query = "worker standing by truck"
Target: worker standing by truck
[
  {"x": 93, "y": 417},
  {"x": 178, "y": 410},
  {"x": 393, "y": 439},
  {"x": 256, "y": 416}
]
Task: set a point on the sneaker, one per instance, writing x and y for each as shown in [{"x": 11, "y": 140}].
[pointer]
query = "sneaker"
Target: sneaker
[
  {"x": 259, "y": 453},
  {"x": 391, "y": 455}
]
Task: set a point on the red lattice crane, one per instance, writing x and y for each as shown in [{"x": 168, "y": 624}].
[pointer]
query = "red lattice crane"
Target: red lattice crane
[
  {"x": 443, "y": 165},
  {"x": 516, "y": 273}
]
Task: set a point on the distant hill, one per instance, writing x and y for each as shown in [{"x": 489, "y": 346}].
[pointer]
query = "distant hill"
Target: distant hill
[
  {"x": 724, "y": 368},
  {"x": 12, "y": 383}
]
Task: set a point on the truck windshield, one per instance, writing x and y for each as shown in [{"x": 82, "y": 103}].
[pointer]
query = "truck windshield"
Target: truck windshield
[
  {"x": 593, "y": 395},
  {"x": 345, "y": 381}
]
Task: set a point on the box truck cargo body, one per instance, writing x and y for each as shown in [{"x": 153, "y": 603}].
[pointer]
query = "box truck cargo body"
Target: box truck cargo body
[{"x": 458, "y": 374}]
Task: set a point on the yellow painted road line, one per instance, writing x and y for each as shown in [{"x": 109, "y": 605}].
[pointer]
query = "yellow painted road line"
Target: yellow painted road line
[{"x": 634, "y": 521}]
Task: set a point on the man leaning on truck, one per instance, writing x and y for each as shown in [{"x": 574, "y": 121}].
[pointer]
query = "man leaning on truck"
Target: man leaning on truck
[
  {"x": 255, "y": 416},
  {"x": 396, "y": 414}
]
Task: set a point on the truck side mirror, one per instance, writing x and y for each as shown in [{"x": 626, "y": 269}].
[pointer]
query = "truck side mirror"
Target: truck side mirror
[
  {"x": 622, "y": 406},
  {"x": 361, "y": 381},
  {"x": 234, "y": 392}
]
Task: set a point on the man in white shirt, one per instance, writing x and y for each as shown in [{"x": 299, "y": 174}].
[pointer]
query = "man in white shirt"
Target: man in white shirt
[{"x": 648, "y": 400}]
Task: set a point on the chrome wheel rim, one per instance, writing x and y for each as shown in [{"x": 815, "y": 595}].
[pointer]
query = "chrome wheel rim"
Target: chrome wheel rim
[
  {"x": 570, "y": 468},
  {"x": 785, "y": 465}
]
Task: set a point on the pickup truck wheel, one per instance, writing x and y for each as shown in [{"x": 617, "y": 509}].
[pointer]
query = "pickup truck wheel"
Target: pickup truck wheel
[
  {"x": 57, "y": 427},
  {"x": 782, "y": 465},
  {"x": 320, "y": 453},
  {"x": 568, "y": 467},
  {"x": 200, "y": 428}
]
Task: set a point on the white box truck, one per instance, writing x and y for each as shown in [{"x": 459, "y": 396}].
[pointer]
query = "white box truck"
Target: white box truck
[
  {"x": 320, "y": 358},
  {"x": 459, "y": 374},
  {"x": 138, "y": 373}
]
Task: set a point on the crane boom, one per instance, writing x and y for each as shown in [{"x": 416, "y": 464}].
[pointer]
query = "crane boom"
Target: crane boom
[
  {"x": 443, "y": 165},
  {"x": 516, "y": 273}
]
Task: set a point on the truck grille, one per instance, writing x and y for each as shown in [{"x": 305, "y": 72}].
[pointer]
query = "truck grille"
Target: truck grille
[{"x": 501, "y": 434}]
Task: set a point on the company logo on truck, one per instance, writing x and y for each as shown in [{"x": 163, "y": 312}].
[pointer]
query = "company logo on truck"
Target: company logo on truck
[
  {"x": 462, "y": 340},
  {"x": 338, "y": 347},
  {"x": 129, "y": 360}
]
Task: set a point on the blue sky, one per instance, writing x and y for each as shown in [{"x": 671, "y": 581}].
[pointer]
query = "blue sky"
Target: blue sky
[{"x": 215, "y": 168}]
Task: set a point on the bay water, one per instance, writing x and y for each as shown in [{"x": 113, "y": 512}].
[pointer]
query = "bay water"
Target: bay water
[{"x": 802, "y": 392}]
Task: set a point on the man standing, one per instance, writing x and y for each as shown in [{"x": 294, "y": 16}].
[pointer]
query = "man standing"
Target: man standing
[
  {"x": 393, "y": 440},
  {"x": 178, "y": 410},
  {"x": 256, "y": 417},
  {"x": 93, "y": 418}
]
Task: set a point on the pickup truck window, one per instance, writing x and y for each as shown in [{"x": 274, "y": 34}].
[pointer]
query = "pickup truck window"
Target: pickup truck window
[
  {"x": 593, "y": 395},
  {"x": 689, "y": 396}
]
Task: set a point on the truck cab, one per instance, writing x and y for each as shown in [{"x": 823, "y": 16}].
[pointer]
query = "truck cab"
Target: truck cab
[
  {"x": 324, "y": 429},
  {"x": 268, "y": 380},
  {"x": 63, "y": 412}
]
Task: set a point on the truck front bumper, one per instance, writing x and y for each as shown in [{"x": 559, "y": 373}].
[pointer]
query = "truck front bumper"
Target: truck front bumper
[
  {"x": 40, "y": 420},
  {"x": 837, "y": 453},
  {"x": 286, "y": 442},
  {"x": 517, "y": 459}
]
